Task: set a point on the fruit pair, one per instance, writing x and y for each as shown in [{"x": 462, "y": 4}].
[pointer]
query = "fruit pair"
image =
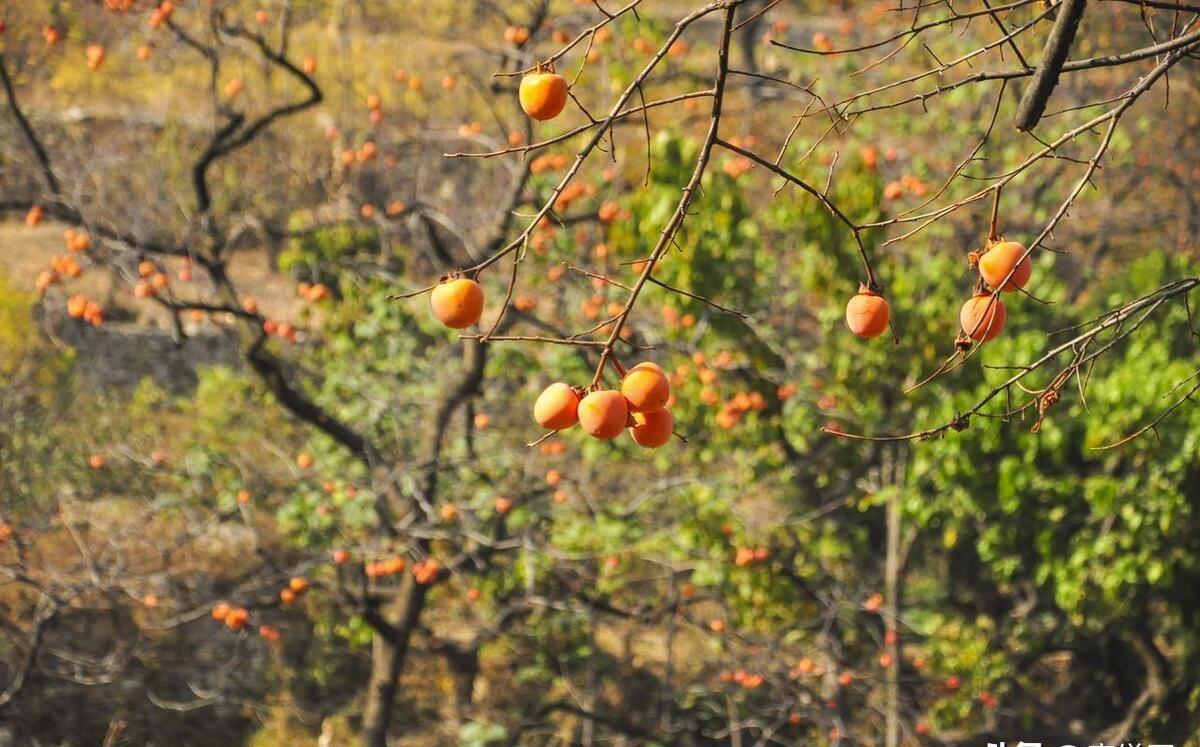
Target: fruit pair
[{"x": 1004, "y": 264}]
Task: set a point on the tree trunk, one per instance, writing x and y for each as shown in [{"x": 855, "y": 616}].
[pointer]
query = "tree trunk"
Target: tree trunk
[
  {"x": 891, "y": 622},
  {"x": 388, "y": 654}
]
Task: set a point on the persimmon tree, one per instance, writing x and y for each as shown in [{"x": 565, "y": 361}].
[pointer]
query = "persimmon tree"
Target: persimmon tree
[{"x": 594, "y": 185}]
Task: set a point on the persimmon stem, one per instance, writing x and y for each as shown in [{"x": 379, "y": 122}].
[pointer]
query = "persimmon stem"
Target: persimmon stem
[{"x": 993, "y": 232}]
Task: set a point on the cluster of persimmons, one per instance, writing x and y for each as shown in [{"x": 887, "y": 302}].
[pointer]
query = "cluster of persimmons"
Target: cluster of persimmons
[{"x": 641, "y": 404}]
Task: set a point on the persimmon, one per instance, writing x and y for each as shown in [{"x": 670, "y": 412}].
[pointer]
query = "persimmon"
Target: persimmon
[
  {"x": 221, "y": 611},
  {"x": 646, "y": 388},
  {"x": 608, "y": 212},
  {"x": 298, "y": 584},
  {"x": 234, "y": 87},
  {"x": 503, "y": 505},
  {"x": 243, "y": 496},
  {"x": 516, "y": 35},
  {"x": 982, "y": 317},
  {"x": 317, "y": 293},
  {"x": 652, "y": 429},
  {"x": 426, "y": 571},
  {"x": 45, "y": 279},
  {"x": 374, "y": 101},
  {"x": 146, "y": 268},
  {"x": 144, "y": 52},
  {"x": 261, "y": 17},
  {"x": 557, "y": 407},
  {"x": 304, "y": 460},
  {"x": 237, "y": 618},
  {"x": 77, "y": 241},
  {"x": 97, "y": 461},
  {"x": 604, "y": 413},
  {"x": 34, "y": 216},
  {"x": 867, "y": 314},
  {"x": 473, "y": 594},
  {"x": 743, "y": 557},
  {"x": 873, "y": 603},
  {"x": 76, "y": 306},
  {"x": 287, "y": 597},
  {"x": 95, "y": 56},
  {"x": 553, "y": 477},
  {"x": 543, "y": 95},
  {"x": 560, "y": 496},
  {"x": 309, "y": 64},
  {"x": 457, "y": 303},
  {"x": 1001, "y": 259},
  {"x": 340, "y": 556},
  {"x": 482, "y": 421},
  {"x": 449, "y": 512}
]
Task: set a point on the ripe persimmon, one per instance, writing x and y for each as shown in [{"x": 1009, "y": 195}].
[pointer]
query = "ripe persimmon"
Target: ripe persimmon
[
  {"x": 221, "y": 611},
  {"x": 77, "y": 306},
  {"x": 867, "y": 314},
  {"x": 298, "y": 584},
  {"x": 237, "y": 618},
  {"x": 426, "y": 571},
  {"x": 604, "y": 413},
  {"x": 557, "y": 407},
  {"x": 652, "y": 429},
  {"x": 998, "y": 261},
  {"x": 982, "y": 317},
  {"x": 646, "y": 388},
  {"x": 95, "y": 56},
  {"x": 34, "y": 216},
  {"x": 543, "y": 95},
  {"x": 304, "y": 460},
  {"x": 516, "y": 35},
  {"x": 457, "y": 303}
]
